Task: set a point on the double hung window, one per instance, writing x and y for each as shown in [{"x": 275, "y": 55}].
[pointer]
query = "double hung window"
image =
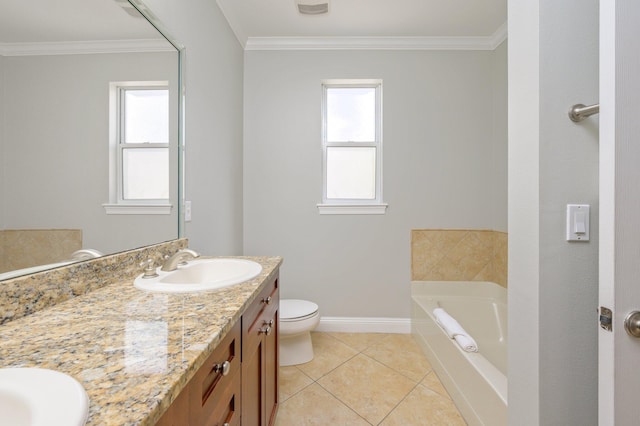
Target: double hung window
[
  {"x": 140, "y": 145},
  {"x": 352, "y": 147}
]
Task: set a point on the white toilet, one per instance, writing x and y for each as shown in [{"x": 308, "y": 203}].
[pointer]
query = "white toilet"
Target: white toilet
[{"x": 297, "y": 319}]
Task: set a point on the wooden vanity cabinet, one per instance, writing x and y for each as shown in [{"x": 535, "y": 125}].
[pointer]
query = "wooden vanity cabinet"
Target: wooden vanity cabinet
[
  {"x": 238, "y": 383},
  {"x": 260, "y": 358},
  {"x": 212, "y": 397},
  {"x": 215, "y": 389},
  {"x": 178, "y": 412}
]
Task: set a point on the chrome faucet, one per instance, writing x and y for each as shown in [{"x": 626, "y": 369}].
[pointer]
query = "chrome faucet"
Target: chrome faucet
[
  {"x": 84, "y": 254},
  {"x": 181, "y": 256}
]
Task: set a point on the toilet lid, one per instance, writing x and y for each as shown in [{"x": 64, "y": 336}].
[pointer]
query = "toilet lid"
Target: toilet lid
[{"x": 293, "y": 309}]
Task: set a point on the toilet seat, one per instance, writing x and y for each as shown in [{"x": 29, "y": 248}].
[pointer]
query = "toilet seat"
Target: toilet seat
[
  {"x": 293, "y": 310},
  {"x": 296, "y": 320}
]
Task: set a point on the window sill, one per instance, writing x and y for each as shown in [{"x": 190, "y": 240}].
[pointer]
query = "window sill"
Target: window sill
[
  {"x": 352, "y": 209},
  {"x": 138, "y": 208}
]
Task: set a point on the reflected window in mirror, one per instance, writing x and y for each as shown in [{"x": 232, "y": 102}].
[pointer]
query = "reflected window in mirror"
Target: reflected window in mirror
[{"x": 139, "y": 161}]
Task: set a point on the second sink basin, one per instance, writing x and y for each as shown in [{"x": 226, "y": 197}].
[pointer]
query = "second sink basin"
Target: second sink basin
[
  {"x": 41, "y": 397},
  {"x": 201, "y": 275}
]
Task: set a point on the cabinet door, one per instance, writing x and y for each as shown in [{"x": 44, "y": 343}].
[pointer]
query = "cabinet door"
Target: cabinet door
[
  {"x": 252, "y": 372},
  {"x": 271, "y": 371},
  {"x": 260, "y": 359}
]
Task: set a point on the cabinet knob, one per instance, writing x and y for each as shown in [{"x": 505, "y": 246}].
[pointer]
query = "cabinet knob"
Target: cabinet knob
[
  {"x": 265, "y": 330},
  {"x": 266, "y": 300},
  {"x": 269, "y": 323},
  {"x": 222, "y": 368}
]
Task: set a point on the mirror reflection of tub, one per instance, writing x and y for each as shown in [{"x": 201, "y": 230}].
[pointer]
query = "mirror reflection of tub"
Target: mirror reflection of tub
[{"x": 27, "y": 251}]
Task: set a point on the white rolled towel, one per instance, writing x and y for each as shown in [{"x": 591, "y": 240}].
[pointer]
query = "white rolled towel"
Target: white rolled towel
[
  {"x": 455, "y": 331},
  {"x": 466, "y": 342}
]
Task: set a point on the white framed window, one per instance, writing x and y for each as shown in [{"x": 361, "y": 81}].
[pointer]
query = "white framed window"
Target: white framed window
[
  {"x": 139, "y": 148},
  {"x": 352, "y": 147}
]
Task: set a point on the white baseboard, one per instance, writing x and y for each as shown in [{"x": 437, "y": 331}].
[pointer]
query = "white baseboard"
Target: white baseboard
[{"x": 364, "y": 325}]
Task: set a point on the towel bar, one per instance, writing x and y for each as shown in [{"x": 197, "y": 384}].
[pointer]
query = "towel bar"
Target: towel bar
[{"x": 579, "y": 112}]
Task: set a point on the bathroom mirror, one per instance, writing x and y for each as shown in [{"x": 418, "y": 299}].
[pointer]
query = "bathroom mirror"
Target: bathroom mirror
[{"x": 58, "y": 148}]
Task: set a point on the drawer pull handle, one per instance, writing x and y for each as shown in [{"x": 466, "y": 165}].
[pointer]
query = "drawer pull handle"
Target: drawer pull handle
[
  {"x": 269, "y": 323},
  {"x": 222, "y": 368},
  {"x": 266, "y": 300},
  {"x": 226, "y": 424},
  {"x": 266, "y": 330}
]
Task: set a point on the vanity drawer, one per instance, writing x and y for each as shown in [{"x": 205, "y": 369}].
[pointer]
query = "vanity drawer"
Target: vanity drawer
[
  {"x": 223, "y": 406},
  {"x": 216, "y": 385}
]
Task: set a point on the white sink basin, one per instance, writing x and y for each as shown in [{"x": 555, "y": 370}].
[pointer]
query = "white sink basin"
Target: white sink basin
[
  {"x": 201, "y": 275},
  {"x": 41, "y": 397}
]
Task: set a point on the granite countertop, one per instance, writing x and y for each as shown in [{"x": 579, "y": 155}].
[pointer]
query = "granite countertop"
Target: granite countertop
[{"x": 133, "y": 351}]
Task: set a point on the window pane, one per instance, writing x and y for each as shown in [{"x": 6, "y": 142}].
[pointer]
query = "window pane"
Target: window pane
[
  {"x": 146, "y": 173},
  {"x": 351, "y": 173},
  {"x": 351, "y": 114},
  {"x": 146, "y": 116}
]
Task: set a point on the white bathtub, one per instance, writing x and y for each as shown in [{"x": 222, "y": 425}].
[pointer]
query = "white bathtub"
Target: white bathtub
[{"x": 477, "y": 382}]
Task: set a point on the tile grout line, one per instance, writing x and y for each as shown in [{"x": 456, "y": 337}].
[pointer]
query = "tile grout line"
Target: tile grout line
[
  {"x": 380, "y": 341},
  {"x": 399, "y": 402},
  {"x": 362, "y": 352},
  {"x": 332, "y": 370}
]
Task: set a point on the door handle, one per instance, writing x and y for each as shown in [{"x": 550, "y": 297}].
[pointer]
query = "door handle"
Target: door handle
[{"x": 632, "y": 324}]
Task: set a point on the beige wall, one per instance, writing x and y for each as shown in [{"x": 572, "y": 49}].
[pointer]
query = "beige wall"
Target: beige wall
[
  {"x": 24, "y": 248},
  {"x": 213, "y": 122},
  {"x": 439, "y": 171},
  {"x": 459, "y": 255}
]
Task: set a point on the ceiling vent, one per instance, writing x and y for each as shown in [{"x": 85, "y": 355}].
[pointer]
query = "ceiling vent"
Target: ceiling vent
[{"x": 311, "y": 7}]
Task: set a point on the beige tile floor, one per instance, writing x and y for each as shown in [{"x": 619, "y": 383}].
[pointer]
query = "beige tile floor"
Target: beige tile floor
[{"x": 364, "y": 379}]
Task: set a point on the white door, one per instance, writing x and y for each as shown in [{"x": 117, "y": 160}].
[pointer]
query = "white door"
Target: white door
[{"x": 619, "y": 251}]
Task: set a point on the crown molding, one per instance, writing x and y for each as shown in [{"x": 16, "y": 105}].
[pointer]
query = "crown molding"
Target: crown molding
[
  {"x": 234, "y": 24},
  {"x": 368, "y": 43},
  {"x": 379, "y": 43},
  {"x": 499, "y": 36},
  {"x": 85, "y": 47}
]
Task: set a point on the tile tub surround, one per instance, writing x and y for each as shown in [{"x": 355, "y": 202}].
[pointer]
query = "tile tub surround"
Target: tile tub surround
[
  {"x": 459, "y": 255},
  {"x": 133, "y": 351},
  {"x": 25, "y": 295},
  {"x": 24, "y": 248}
]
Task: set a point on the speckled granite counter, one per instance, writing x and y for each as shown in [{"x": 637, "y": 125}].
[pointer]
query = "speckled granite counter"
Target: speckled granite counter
[{"x": 133, "y": 351}]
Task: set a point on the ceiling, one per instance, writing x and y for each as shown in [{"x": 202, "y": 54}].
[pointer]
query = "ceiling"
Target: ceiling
[
  {"x": 253, "y": 20},
  {"x": 394, "y": 23},
  {"x": 46, "y": 21}
]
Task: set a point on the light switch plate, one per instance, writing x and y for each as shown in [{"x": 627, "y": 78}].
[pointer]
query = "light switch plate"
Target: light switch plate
[
  {"x": 578, "y": 222},
  {"x": 187, "y": 211}
]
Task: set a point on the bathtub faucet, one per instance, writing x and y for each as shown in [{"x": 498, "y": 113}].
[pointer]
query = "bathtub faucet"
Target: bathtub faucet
[
  {"x": 84, "y": 254},
  {"x": 181, "y": 256}
]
